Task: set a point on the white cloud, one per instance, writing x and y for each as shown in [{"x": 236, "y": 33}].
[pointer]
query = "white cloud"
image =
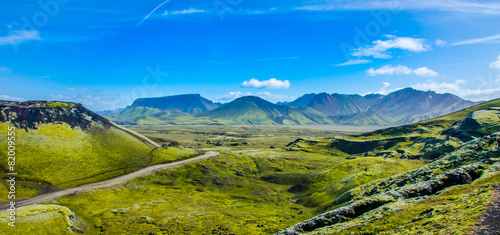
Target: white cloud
[
  {"x": 264, "y": 95},
  {"x": 496, "y": 64},
  {"x": 354, "y": 62},
  {"x": 233, "y": 95},
  {"x": 380, "y": 49},
  {"x": 10, "y": 98},
  {"x": 456, "y": 89},
  {"x": 401, "y": 70},
  {"x": 390, "y": 70},
  {"x": 477, "y": 40},
  {"x": 425, "y": 72},
  {"x": 446, "y": 5},
  {"x": 440, "y": 42},
  {"x": 272, "y": 83},
  {"x": 384, "y": 90},
  {"x": 4, "y": 69},
  {"x": 19, "y": 36},
  {"x": 186, "y": 11}
]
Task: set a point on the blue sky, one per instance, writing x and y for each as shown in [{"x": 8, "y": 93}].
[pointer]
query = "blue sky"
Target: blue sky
[{"x": 105, "y": 54}]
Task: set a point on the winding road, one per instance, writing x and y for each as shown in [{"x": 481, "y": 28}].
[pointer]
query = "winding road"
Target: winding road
[{"x": 118, "y": 180}]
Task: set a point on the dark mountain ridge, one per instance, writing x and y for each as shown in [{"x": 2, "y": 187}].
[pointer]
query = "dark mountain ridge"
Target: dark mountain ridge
[{"x": 190, "y": 103}]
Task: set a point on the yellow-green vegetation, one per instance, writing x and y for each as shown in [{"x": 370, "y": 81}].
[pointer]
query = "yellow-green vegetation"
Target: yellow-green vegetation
[
  {"x": 323, "y": 189},
  {"x": 55, "y": 104},
  {"x": 453, "y": 211},
  {"x": 240, "y": 193},
  {"x": 56, "y": 155},
  {"x": 234, "y": 137},
  {"x": 41, "y": 219},
  {"x": 22, "y": 192}
]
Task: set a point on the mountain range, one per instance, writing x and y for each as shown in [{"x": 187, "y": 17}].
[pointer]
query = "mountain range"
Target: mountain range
[{"x": 401, "y": 107}]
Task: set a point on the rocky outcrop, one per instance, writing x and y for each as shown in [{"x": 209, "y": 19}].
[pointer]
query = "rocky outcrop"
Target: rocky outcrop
[
  {"x": 28, "y": 115},
  {"x": 477, "y": 124}
]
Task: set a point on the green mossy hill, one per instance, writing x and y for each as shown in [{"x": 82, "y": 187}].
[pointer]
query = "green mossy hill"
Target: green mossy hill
[
  {"x": 62, "y": 147},
  {"x": 58, "y": 156},
  {"x": 42, "y": 219}
]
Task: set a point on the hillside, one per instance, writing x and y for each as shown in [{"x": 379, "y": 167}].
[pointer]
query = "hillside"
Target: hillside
[
  {"x": 191, "y": 103},
  {"x": 61, "y": 145},
  {"x": 257, "y": 111},
  {"x": 463, "y": 152}
]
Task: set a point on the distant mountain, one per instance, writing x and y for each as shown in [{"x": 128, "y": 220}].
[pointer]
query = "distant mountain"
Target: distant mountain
[
  {"x": 191, "y": 103},
  {"x": 257, "y": 111},
  {"x": 303, "y": 101},
  {"x": 400, "y": 107},
  {"x": 109, "y": 112},
  {"x": 409, "y": 105}
]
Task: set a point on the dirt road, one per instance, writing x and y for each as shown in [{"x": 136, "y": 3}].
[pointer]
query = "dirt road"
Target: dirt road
[{"x": 118, "y": 180}]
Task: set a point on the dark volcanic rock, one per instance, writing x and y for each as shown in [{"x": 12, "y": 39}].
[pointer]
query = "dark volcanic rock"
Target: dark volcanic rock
[{"x": 30, "y": 114}]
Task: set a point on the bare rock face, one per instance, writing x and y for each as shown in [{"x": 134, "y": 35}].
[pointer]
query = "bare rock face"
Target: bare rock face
[{"x": 30, "y": 114}]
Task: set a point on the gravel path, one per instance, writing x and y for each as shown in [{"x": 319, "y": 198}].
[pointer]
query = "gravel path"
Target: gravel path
[
  {"x": 490, "y": 221},
  {"x": 118, "y": 180}
]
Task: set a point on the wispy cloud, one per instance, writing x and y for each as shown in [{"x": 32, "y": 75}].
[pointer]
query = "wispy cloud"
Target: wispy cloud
[
  {"x": 380, "y": 49},
  {"x": 19, "y": 36},
  {"x": 4, "y": 69},
  {"x": 457, "y": 89},
  {"x": 279, "y": 58},
  {"x": 186, "y": 11},
  {"x": 442, "y": 5},
  {"x": 264, "y": 95},
  {"x": 478, "y": 40},
  {"x": 440, "y": 42},
  {"x": 401, "y": 70},
  {"x": 272, "y": 83},
  {"x": 496, "y": 64},
  {"x": 153, "y": 11},
  {"x": 354, "y": 62},
  {"x": 10, "y": 98},
  {"x": 384, "y": 90}
]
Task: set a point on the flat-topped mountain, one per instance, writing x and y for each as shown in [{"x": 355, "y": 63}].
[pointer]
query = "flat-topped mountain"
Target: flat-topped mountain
[{"x": 191, "y": 103}]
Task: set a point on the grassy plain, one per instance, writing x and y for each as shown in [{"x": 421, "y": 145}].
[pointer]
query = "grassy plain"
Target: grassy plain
[{"x": 245, "y": 190}]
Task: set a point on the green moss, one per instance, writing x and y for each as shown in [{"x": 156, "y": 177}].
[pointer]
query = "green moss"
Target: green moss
[
  {"x": 323, "y": 189},
  {"x": 454, "y": 211},
  {"x": 229, "y": 194},
  {"x": 55, "y": 104},
  {"x": 64, "y": 157},
  {"x": 41, "y": 219}
]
